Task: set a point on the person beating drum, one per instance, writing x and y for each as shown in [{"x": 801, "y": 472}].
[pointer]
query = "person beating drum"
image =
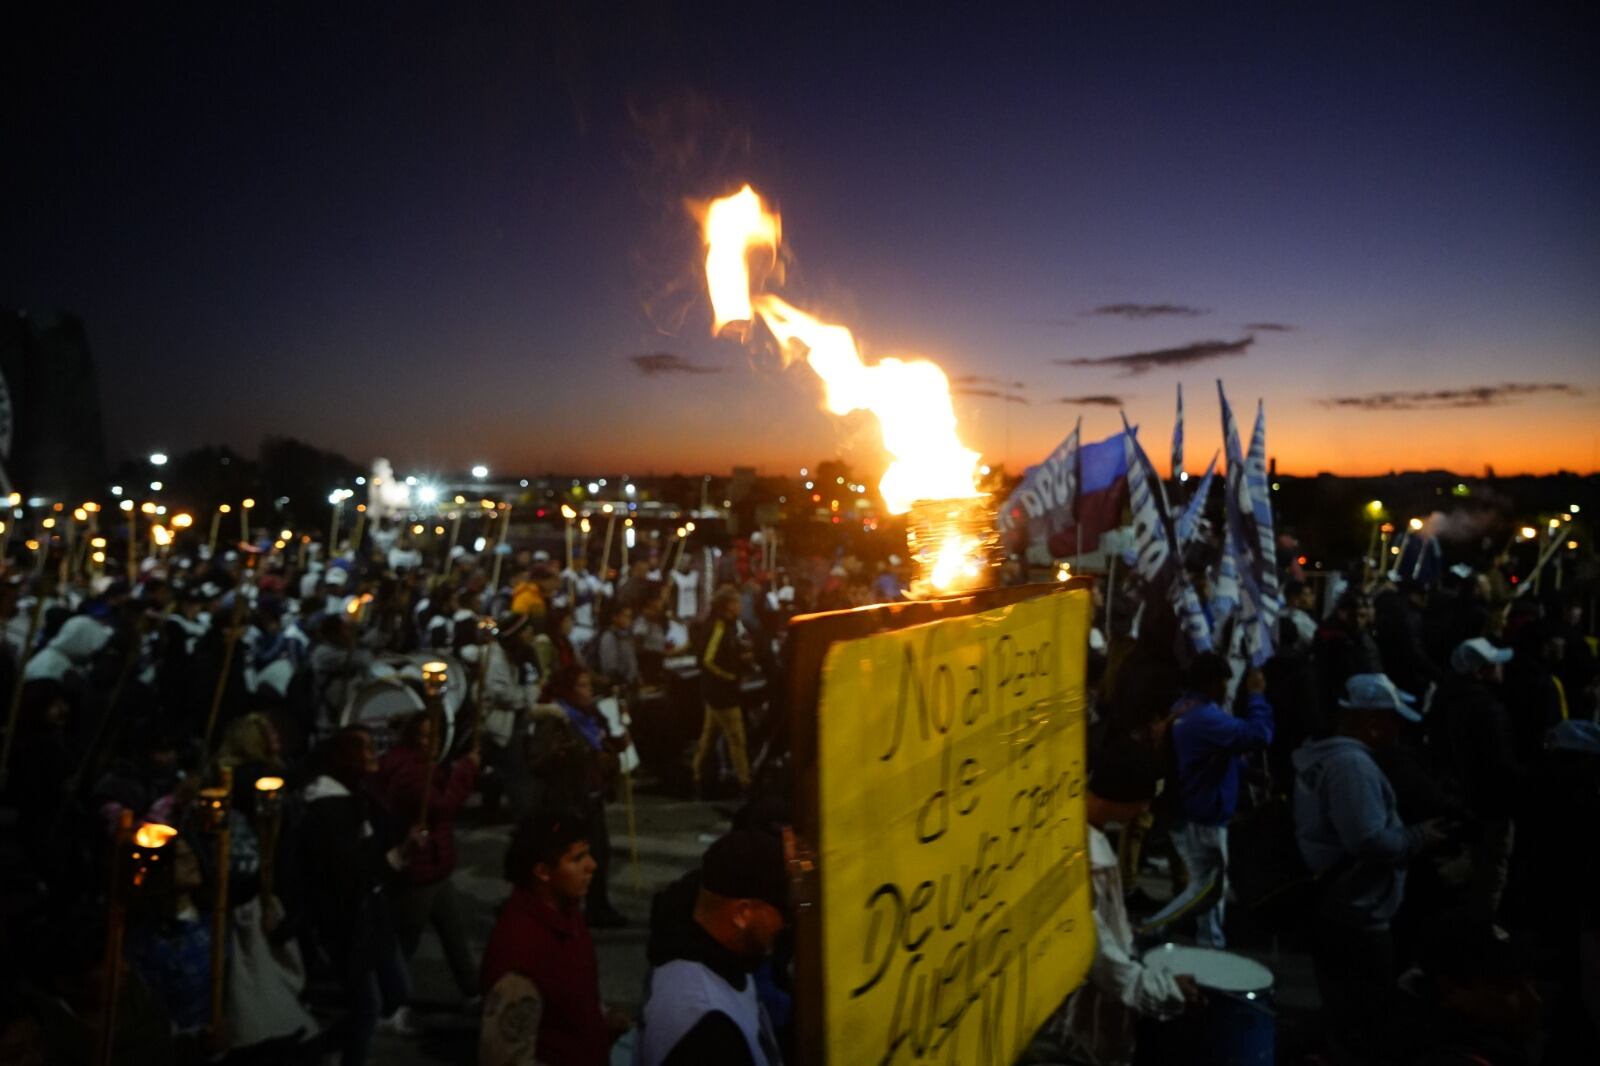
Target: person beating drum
[{"x": 1097, "y": 1022}]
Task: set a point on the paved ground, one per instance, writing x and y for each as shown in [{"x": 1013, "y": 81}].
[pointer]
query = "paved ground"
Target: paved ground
[{"x": 672, "y": 834}]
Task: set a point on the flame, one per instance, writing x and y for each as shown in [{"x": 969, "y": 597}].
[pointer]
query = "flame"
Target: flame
[
  {"x": 909, "y": 398},
  {"x": 153, "y": 835}
]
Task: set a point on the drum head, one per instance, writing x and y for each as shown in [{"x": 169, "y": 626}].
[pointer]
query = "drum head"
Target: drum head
[
  {"x": 378, "y": 703},
  {"x": 1221, "y": 970}
]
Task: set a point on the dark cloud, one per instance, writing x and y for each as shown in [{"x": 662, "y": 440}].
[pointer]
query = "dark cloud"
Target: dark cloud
[
  {"x": 982, "y": 379},
  {"x": 1269, "y": 327},
  {"x": 1142, "y": 362},
  {"x": 1096, "y": 400},
  {"x": 1451, "y": 399},
  {"x": 667, "y": 363},
  {"x": 992, "y": 394},
  {"x": 1137, "y": 311}
]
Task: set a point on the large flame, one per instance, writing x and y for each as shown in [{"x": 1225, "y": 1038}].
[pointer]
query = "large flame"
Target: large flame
[{"x": 910, "y": 399}]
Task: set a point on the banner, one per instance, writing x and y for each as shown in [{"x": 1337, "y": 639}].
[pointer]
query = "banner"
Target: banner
[
  {"x": 1076, "y": 490},
  {"x": 953, "y": 878}
]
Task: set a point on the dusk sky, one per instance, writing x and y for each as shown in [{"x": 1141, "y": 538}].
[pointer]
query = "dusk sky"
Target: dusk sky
[{"x": 443, "y": 233}]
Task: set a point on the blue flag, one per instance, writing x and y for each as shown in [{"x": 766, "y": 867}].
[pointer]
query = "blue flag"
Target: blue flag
[
  {"x": 1155, "y": 543},
  {"x": 1177, "y": 438}
]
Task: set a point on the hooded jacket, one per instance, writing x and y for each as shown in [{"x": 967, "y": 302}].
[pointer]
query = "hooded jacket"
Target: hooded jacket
[{"x": 1345, "y": 813}]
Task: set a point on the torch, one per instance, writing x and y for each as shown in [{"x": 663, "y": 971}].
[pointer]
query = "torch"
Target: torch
[
  {"x": 215, "y": 807},
  {"x": 336, "y": 498},
  {"x": 605, "y": 552},
  {"x": 216, "y": 524},
  {"x": 134, "y": 855},
  {"x": 133, "y": 541},
  {"x": 269, "y": 814},
  {"x": 435, "y": 676},
  {"x": 244, "y": 518},
  {"x": 361, "y": 528},
  {"x": 455, "y": 534},
  {"x": 499, "y": 552},
  {"x": 567, "y": 515}
]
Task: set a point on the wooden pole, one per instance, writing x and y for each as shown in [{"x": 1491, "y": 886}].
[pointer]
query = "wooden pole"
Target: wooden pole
[
  {"x": 361, "y": 528},
  {"x": 211, "y": 541},
  {"x": 230, "y": 641},
  {"x": 16, "y": 687},
  {"x": 116, "y": 923},
  {"x": 568, "y": 521},
  {"x": 455, "y": 535},
  {"x": 499, "y": 553},
  {"x": 605, "y": 553},
  {"x": 219, "y": 912},
  {"x": 333, "y": 531},
  {"x": 133, "y": 544}
]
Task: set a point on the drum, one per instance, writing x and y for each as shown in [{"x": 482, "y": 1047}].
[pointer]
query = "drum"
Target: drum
[
  {"x": 1236, "y": 1027},
  {"x": 378, "y": 703}
]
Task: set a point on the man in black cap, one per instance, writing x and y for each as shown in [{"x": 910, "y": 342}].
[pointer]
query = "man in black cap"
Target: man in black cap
[{"x": 702, "y": 1004}]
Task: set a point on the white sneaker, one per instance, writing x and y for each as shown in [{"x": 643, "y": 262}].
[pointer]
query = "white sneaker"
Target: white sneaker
[{"x": 399, "y": 1023}]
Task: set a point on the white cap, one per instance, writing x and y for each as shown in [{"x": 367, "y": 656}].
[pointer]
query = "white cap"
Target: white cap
[
  {"x": 1377, "y": 692},
  {"x": 1473, "y": 655}
]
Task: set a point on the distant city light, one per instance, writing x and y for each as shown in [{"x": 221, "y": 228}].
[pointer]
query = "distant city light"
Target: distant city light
[
  {"x": 116, "y": 490},
  {"x": 480, "y": 471},
  {"x": 155, "y": 486},
  {"x": 158, "y": 459},
  {"x": 411, "y": 481},
  {"x": 361, "y": 481},
  {"x": 1574, "y": 508},
  {"x": 1183, "y": 475},
  {"x": 427, "y": 493},
  {"x": 593, "y": 487}
]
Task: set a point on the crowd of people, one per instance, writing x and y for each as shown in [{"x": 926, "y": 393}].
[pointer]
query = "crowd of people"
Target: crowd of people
[
  {"x": 1405, "y": 789},
  {"x": 384, "y": 694}
]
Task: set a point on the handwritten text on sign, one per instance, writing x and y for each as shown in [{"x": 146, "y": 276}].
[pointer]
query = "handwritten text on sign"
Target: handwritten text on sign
[{"x": 955, "y": 900}]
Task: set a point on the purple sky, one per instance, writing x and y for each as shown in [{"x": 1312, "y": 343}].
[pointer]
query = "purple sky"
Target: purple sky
[{"x": 441, "y": 234}]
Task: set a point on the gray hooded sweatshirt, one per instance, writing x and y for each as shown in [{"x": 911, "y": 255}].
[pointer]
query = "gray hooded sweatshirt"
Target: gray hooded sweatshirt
[{"x": 1344, "y": 812}]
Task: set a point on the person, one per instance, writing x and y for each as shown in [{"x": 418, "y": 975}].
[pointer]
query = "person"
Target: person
[
  {"x": 510, "y": 686},
  {"x": 553, "y": 648},
  {"x": 720, "y": 666},
  {"x": 1471, "y": 734},
  {"x": 169, "y": 944},
  {"x": 1208, "y": 743},
  {"x": 1344, "y": 647},
  {"x": 425, "y": 894},
  {"x": 1297, "y": 627},
  {"x": 701, "y": 1003},
  {"x": 685, "y": 602},
  {"x": 346, "y": 863},
  {"x": 1097, "y": 1024},
  {"x": 1398, "y": 628},
  {"x": 579, "y": 773},
  {"x": 619, "y": 660},
  {"x": 1349, "y": 832},
  {"x": 540, "y": 977}
]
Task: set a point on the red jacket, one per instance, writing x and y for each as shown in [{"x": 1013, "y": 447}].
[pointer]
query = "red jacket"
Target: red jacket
[
  {"x": 553, "y": 949},
  {"x": 401, "y": 775}
]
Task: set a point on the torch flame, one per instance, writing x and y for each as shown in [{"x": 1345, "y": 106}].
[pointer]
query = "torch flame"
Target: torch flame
[
  {"x": 153, "y": 835},
  {"x": 910, "y": 399}
]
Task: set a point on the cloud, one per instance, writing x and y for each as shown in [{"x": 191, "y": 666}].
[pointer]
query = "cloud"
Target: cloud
[
  {"x": 667, "y": 363},
  {"x": 1453, "y": 399},
  {"x": 1096, "y": 400},
  {"x": 1138, "y": 311},
  {"x": 1269, "y": 327},
  {"x": 983, "y": 379},
  {"x": 1141, "y": 362},
  {"x": 992, "y": 394}
]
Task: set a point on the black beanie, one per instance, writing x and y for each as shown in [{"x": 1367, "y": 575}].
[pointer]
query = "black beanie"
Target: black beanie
[{"x": 746, "y": 864}]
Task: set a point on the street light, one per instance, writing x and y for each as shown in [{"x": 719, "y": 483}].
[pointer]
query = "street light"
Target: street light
[
  {"x": 480, "y": 471},
  {"x": 158, "y": 459}
]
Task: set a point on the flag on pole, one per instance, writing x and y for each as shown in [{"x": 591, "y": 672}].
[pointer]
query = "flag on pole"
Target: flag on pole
[
  {"x": 1156, "y": 558},
  {"x": 1250, "y": 535},
  {"x": 1075, "y": 488},
  {"x": 1189, "y": 521},
  {"x": 1042, "y": 504},
  {"x": 1177, "y": 437}
]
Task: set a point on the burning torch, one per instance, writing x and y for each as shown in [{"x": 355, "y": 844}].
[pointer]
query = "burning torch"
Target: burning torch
[
  {"x": 134, "y": 858},
  {"x": 216, "y": 805}
]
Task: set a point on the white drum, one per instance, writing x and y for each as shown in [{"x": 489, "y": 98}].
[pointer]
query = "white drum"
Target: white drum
[
  {"x": 378, "y": 704},
  {"x": 1220, "y": 970}
]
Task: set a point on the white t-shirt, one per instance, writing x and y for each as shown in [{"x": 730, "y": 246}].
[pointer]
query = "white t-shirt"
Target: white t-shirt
[{"x": 688, "y": 586}]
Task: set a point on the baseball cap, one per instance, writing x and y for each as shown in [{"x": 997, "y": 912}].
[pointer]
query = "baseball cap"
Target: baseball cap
[
  {"x": 1472, "y": 655},
  {"x": 746, "y": 864},
  {"x": 1376, "y": 692}
]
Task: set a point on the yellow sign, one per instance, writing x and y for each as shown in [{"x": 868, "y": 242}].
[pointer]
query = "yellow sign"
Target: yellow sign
[{"x": 954, "y": 880}]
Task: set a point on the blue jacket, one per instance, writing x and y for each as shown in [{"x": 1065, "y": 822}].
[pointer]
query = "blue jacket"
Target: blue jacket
[{"x": 1208, "y": 742}]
